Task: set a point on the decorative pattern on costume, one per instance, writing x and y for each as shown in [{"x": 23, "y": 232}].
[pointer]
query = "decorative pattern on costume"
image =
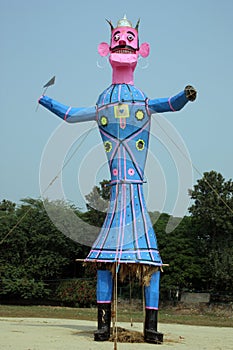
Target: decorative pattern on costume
[
  {"x": 108, "y": 146},
  {"x": 140, "y": 144},
  {"x": 125, "y": 91},
  {"x": 139, "y": 114},
  {"x": 127, "y": 234},
  {"x": 104, "y": 121},
  {"x": 131, "y": 172},
  {"x": 121, "y": 111},
  {"x": 115, "y": 172}
]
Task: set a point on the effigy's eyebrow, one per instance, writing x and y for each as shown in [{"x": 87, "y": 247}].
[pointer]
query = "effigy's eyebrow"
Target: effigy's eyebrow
[
  {"x": 116, "y": 32},
  {"x": 131, "y": 33}
]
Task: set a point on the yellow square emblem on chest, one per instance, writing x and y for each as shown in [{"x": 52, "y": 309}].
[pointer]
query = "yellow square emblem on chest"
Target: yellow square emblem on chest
[{"x": 121, "y": 111}]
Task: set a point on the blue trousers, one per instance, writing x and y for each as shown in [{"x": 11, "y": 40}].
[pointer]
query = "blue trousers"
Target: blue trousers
[
  {"x": 105, "y": 288},
  {"x": 152, "y": 292}
]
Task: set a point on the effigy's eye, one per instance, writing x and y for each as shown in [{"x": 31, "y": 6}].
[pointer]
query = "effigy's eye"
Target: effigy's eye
[
  {"x": 116, "y": 37},
  {"x": 130, "y": 37}
]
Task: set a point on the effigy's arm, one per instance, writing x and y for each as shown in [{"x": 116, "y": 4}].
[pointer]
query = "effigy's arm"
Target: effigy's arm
[
  {"x": 69, "y": 114},
  {"x": 174, "y": 103}
]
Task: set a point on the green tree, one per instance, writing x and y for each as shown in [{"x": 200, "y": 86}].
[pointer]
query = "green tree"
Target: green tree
[
  {"x": 33, "y": 252},
  {"x": 97, "y": 204},
  {"x": 212, "y": 221},
  {"x": 7, "y": 206},
  {"x": 177, "y": 248}
]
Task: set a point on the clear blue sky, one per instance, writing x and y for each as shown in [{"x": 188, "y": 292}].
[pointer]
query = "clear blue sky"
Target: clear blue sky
[{"x": 191, "y": 42}]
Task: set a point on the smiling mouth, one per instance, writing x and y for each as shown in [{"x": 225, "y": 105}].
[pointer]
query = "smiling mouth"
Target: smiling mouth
[{"x": 123, "y": 49}]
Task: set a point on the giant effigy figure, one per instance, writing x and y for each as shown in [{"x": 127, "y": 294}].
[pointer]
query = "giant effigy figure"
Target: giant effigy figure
[{"x": 123, "y": 113}]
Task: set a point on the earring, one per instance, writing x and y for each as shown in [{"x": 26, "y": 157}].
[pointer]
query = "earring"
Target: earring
[
  {"x": 145, "y": 63},
  {"x": 102, "y": 62}
]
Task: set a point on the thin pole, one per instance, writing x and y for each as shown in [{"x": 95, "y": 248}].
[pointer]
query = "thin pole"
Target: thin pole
[
  {"x": 130, "y": 299},
  {"x": 115, "y": 307},
  {"x": 42, "y": 94},
  {"x": 143, "y": 305}
]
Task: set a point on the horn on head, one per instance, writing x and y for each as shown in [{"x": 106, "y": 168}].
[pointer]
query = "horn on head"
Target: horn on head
[
  {"x": 137, "y": 25},
  {"x": 110, "y": 23}
]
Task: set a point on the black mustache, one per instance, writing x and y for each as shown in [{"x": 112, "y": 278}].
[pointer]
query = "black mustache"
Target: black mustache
[{"x": 127, "y": 47}]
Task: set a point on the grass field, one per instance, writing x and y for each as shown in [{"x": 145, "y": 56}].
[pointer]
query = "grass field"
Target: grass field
[{"x": 188, "y": 316}]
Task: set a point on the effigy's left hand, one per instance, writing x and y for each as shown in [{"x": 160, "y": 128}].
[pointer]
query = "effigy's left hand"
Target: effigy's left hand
[{"x": 190, "y": 92}]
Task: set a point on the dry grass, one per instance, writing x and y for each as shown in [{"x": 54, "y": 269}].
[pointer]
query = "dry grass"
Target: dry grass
[
  {"x": 208, "y": 316},
  {"x": 127, "y": 336}
]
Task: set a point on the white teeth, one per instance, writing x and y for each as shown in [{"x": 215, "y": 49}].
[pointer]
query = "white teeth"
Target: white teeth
[{"x": 123, "y": 51}]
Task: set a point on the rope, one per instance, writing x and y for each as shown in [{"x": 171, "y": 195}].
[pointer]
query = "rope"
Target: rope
[
  {"x": 49, "y": 185},
  {"x": 193, "y": 165},
  {"x": 16, "y": 225},
  {"x": 68, "y": 160}
]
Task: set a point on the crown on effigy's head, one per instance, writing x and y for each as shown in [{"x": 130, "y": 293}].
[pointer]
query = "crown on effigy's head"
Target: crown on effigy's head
[{"x": 124, "y": 22}]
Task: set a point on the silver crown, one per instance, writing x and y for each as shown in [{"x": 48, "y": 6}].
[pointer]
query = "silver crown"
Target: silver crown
[{"x": 124, "y": 22}]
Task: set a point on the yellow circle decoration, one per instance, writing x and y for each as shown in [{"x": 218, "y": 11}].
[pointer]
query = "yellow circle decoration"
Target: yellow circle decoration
[
  {"x": 140, "y": 144},
  {"x": 104, "y": 121},
  {"x": 139, "y": 114},
  {"x": 108, "y": 146}
]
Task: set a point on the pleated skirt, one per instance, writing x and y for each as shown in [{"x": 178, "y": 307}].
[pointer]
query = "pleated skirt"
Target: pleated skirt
[{"x": 127, "y": 235}]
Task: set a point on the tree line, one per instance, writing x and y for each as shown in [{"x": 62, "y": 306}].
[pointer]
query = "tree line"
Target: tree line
[{"x": 34, "y": 252}]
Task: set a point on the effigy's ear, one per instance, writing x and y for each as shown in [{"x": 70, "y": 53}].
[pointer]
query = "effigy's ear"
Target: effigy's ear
[
  {"x": 144, "y": 49},
  {"x": 103, "y": 49}
]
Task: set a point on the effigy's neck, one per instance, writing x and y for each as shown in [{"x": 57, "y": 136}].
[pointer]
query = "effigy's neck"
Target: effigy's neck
[{"x": 123, "y": 75}]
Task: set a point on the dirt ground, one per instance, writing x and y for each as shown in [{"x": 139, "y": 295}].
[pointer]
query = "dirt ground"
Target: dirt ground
[{"x": 57, "y": 334}]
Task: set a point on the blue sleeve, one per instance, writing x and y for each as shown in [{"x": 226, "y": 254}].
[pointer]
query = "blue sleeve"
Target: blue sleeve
[
  {"x": 171, "y": 104},
  {"x": 69, "y": 114}
]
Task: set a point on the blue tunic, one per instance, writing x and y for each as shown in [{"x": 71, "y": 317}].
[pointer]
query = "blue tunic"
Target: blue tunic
[
  {"x": 127, "y": 235},
  {"x": 123, "y": 114}
]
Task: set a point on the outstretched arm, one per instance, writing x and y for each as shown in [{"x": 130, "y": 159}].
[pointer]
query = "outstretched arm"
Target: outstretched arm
[
  {"x": 69, "y": 114},
  {"x": 174, "y": 103}
]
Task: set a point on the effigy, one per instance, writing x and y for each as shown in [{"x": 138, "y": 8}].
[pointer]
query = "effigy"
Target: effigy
[{"x": 127, "y": 241}]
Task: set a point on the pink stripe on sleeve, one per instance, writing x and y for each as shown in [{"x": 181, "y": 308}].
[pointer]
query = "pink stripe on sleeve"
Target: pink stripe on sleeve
[
  {"x": 40, "y": 98},
  {"x": 67, "y": 112},
  {"x": 169, "y": 101}
]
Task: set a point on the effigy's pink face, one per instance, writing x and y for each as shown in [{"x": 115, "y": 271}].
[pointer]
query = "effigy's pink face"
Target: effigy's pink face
[
  {"x": 124, "y": 40},
  {"x": 124, "y": 49},
  {"x": 124, "y": 45}
]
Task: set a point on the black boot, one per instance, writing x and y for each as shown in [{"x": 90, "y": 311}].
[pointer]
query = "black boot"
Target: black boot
[
  {"x": 104, "y": 322},
  {"x": 150, "y": 330}
]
